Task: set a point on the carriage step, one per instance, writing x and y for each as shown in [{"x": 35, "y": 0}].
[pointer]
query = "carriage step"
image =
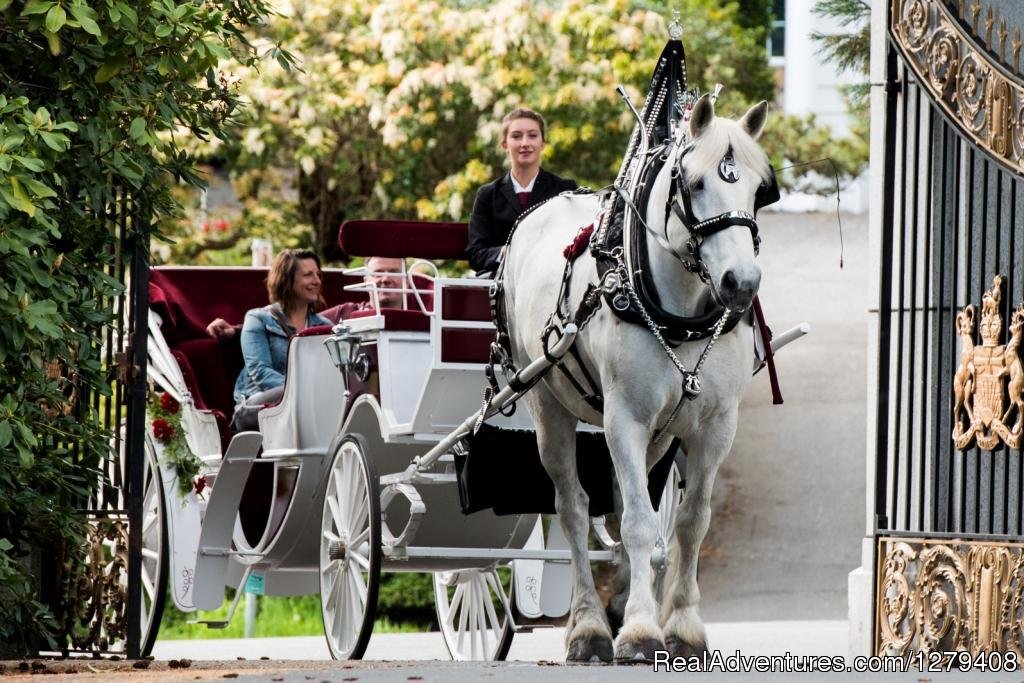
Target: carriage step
[
  {"x": 223, "y": 623},
  {"x": 219, "y": 521}
]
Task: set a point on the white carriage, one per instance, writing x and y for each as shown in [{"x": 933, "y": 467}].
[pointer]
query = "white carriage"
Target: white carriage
[{"x": 356, "y": 472}]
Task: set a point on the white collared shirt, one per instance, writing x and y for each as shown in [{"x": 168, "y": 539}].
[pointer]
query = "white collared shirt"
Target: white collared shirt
[{"x": 519, "y": 188}]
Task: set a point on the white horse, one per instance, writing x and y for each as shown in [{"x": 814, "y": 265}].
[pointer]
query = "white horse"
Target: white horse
[{"x": 641, "y": 386}]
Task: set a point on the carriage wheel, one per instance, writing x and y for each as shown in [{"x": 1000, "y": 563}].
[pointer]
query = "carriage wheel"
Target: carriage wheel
[
  {"x": 155, "y": 552},
  {"x": 350, "y": 550},
  {"x": 471, "y": 612},
  {"x": 670, "y": 497}
]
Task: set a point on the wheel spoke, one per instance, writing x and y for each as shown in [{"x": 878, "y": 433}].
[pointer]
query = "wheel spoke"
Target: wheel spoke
[
  {"x": 358, "y": 558},
  {"x": 463, "y": 616},
  {"x": 359, "y": 538},
  {"x": 147, "y": 583},
  {"x": 358, "y": 586},
  {"x": 332, "y": 502},
  {"x": 481, "y": 616},
  {"x": 340, "y": 493},
  {"x": 150, "y": 554},
  {"x": 456, "y": 602},
  {"x": 492, "y": 615}
]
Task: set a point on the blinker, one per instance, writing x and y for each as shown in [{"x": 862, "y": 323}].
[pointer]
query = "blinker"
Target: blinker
[{"x": 767, "y": 192}]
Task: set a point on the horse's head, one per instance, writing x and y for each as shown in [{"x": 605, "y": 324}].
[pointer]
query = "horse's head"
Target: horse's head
[{"x": 720, "y": 171}]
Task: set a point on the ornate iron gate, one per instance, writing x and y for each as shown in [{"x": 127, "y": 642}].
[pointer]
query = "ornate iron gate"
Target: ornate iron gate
[
  {"x": 948, "y": 503},
  {"x": 94, "y": 602}
]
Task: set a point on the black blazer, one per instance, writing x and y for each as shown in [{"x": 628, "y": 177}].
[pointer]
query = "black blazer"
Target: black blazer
[{"x": 495, "y": 210}]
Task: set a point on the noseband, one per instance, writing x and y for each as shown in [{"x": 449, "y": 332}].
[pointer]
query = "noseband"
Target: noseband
[{"x": 679, "y": 203}]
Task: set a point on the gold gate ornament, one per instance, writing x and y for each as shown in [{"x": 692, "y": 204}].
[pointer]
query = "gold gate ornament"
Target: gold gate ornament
[{"x": 980, "y": 382}]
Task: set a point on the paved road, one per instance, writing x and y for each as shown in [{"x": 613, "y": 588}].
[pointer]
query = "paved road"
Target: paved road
[{"x": 789, "y": 500}]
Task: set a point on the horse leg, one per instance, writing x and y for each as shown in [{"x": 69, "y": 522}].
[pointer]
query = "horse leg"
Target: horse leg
[
  {"x": 640, "y": 635},
  {"x": 616, "y": 609},
  {"x": 588, "y": 637},
  {"x": 684, "y": 631}
]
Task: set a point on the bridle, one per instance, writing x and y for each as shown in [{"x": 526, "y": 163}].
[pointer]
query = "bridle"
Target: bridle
[{"x": 680, "y": 204}]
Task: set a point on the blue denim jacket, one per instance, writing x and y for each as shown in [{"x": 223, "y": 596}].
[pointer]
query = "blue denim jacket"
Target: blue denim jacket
[{"x": 265, "y": 350}]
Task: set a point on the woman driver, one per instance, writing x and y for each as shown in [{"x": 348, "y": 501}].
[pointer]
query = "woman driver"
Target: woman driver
[{"x": 499, "y": 203}]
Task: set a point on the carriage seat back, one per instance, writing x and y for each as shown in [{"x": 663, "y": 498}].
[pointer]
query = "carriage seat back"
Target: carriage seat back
[
  {"x": 188, "y": 298},
  {"x": 309, "y": 413}
]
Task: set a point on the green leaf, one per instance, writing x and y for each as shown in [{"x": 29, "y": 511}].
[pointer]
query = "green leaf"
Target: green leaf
[
  {"x": 31, "y": 164},
  {"x": 11, "y": 141},
  {"x": 55, "y": 18},
  {"x": 54, "y": 43},
  {"x": 19, "y": 200},
  {"x": 87, "y": 18},
  {"x": 37, "y": 7},
  {"x": 5, "y": 163},
  {"x": 163, "y": 30},
  {"x": 4, "y": 4},
  {"x": 5, "y": 439},
  {"x": 165, "y": 66},
  {"x": 128, "y": 12},
  {"x": 138, "y": 128},
  {"x": 37, "y": 188},
  {"x": 110, "y": 68},
  {"x": 114, "y": 12},
  {"x": 55, "y": 141},
  {"x": 5, "y": 545}
]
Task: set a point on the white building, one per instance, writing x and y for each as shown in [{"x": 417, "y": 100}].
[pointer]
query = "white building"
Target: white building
[{"x": 808, "y": 84}]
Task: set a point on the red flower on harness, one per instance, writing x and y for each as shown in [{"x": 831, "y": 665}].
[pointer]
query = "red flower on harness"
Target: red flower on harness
[
  {"x": 162, "y": 430},
  {"x": 201, "y": 484},
  {"x": 168, "y": 403},
  {"x": 579, "y": 243}
]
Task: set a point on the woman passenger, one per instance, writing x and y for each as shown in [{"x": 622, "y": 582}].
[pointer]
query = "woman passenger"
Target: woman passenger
[
  {"x": 293, "y": 286},
  {"x": 499, "y": 203}
]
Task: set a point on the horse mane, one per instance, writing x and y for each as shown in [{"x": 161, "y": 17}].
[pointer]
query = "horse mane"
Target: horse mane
[{"x": 714, "y": 142}]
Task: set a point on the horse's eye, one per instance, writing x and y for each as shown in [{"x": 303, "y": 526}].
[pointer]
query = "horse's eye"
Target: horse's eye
[{"x": 699, "y": 185}]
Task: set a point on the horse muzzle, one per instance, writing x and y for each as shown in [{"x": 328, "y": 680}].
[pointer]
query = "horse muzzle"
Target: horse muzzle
[{"x": 737, "y": 286}]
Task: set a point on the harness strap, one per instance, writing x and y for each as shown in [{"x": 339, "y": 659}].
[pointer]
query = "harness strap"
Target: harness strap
[{"x": 769, "y": 357}]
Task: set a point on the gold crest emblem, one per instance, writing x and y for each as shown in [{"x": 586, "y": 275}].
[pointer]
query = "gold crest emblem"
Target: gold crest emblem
[{"x": 980, "y": 383}]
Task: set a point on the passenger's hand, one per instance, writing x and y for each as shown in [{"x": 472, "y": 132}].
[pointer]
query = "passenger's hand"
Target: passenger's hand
[{"x": 220, "y": 329}]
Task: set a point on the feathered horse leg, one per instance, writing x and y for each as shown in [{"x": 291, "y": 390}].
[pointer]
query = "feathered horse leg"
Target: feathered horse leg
[
  {"x": 588, "y": 637},
  {"x": 628, "y": 439},
  {"x": 684, "y": 631}
]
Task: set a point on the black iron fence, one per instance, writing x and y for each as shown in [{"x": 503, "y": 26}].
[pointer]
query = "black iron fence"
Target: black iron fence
[{"x": 94, "y": 590}]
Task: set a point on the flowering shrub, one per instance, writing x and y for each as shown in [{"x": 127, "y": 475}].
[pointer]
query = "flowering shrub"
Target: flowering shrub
[{"x": 396, "y": 110}]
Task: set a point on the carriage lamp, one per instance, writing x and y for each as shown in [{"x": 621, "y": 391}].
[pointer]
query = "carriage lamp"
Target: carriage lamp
[{"x": 343, "y": 346}]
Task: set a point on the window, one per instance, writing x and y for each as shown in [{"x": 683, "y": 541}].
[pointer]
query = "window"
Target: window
[{"x": 777, "y": 31}]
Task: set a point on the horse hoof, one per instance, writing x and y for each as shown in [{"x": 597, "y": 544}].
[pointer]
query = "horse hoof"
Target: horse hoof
[
  {"x": 677, "y": 647},
  {"x": 638, "y": 653},
  {"x": 590, "y": 650}
]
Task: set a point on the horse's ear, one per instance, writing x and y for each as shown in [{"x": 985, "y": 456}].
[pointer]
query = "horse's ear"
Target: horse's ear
[
  {"x": 753, "y": 121},
  {"x": 702, "y": 115}
]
